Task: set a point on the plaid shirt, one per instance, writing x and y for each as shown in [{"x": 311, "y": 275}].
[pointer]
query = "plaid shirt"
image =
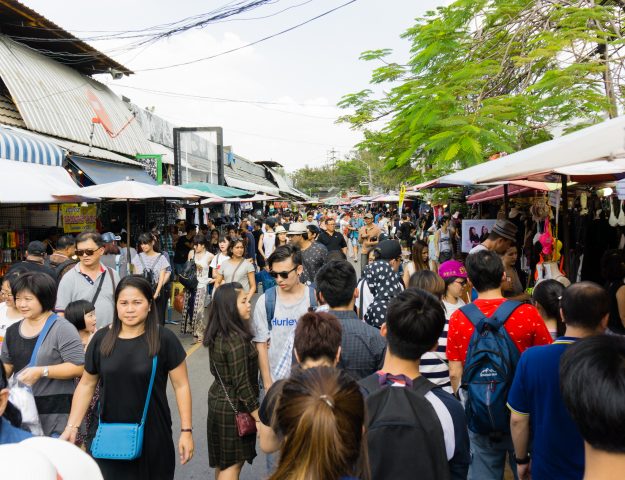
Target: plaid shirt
[{"x": 362, "y": 346}]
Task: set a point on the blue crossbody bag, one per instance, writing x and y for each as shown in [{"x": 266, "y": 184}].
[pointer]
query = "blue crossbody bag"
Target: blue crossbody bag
[{"x": 122, "y": 441}]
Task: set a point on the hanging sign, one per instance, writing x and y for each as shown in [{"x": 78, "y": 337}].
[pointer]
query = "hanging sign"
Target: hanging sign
[
  {"x": 402, "y": 195},
  {"x": 77, "y": 219}
]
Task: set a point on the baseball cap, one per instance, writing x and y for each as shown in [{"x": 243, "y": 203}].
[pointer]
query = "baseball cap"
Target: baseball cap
[
  {"x": 452, "y": 268},
  {"x": 297, "y": 228},
  {"x": 109, "y": 237},
  {"x": 368, "y": 215},
  {"x": 36, "y": 248},
  {"x": 389, "y": 249},
  {"x": 505, "y": 229}
]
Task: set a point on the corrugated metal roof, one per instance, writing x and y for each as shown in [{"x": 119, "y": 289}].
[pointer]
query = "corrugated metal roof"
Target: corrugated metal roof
[
  {"x": 57, "y": 100},
  {"x": 9, "y": 114}
]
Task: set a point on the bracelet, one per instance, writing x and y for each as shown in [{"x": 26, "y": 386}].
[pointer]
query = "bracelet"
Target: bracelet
[
  {"x": 190, "y": 430},
  {"x": 72, "y": 426},
  {"x": 522, "y": 461}
]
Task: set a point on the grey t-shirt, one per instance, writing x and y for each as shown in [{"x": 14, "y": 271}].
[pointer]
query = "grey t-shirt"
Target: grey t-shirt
[
  {"x": 76, "y": 286},
  {"x": 282, "y": 325},
  {"x": 240, "y": 275}
]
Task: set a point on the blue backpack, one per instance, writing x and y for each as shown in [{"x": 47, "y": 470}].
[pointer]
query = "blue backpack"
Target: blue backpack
[
  {"x": 271, "y": 298},
  {"x": 489, "y": 369}
]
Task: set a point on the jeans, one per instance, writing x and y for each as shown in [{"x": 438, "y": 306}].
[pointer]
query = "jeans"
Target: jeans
[
  {"x": 271, "y": 459},
  {"x": 488, "y": 457}
]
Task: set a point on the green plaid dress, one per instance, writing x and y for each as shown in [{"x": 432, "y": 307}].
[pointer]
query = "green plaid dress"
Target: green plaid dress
[{"x": 237, "y": 362}]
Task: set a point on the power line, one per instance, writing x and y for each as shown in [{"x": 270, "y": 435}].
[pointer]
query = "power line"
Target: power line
[{"x": 256, "y": 42}]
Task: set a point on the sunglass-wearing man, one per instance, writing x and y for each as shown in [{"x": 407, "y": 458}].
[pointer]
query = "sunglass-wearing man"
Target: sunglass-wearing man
[{"x": 89, "y": 279}]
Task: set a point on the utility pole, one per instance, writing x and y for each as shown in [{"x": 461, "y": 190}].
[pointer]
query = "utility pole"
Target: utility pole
[
  {"x": 370, "y": 175},
  {"x": 332, "y": 156}
]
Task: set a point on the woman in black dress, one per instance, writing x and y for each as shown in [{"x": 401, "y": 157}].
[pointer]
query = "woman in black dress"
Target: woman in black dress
[
  {"x": 234, "y": 360},
  {"x": 121, "y": 357}
]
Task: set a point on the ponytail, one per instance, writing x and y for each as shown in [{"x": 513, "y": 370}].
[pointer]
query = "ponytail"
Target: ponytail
[{"x": 321, "y": 414}]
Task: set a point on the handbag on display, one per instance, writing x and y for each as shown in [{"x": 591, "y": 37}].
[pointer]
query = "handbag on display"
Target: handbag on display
[
  {"x": 188, "y": 276},
  {"x": 246, "y": 425},
  {"x": 122, "y": 441}
]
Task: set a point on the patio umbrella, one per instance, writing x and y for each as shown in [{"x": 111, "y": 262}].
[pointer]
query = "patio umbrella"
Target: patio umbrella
[{"x": 128, "y": 190}]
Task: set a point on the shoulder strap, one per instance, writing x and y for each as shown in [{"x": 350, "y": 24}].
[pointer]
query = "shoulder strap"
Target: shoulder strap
[
  {"x": 112, "y": 281},
  {"x": 141, "y": 260},
  {"x": 422, "y": 385},
  {"x": 42, "y": 335},
  {"x": 270, "y": 304},
  {"x": 361, "y": 299},
  {"x": 311, "y": 296},
  {"x": 237, "y": 269},
  {"x": 147, "y": 400},
  {"x": 504, "y": 310},
  {"x": 370, "y": 384},
  {"x": 97, "y": 292}
]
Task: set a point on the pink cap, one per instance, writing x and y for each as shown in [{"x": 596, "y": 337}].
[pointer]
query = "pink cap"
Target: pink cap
[{"x": 452, "y": 268}]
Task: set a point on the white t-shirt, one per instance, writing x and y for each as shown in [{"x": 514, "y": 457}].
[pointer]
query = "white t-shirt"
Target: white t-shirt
[
  {"x": 451, "y": 308},
  {"x": 477, "y": 248},
  {"x": 218, "y": 261},
  {"x": 201, "y": 266},
  {"x": 5, "y": 321},
  {"x": 282, "y": 326},
  {"x": 269, "y": 243}
]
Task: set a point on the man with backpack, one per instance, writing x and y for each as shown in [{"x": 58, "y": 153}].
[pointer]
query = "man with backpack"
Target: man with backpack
[
  {"x": 276, "y": 314},
  {"x": 62, "y": 259},
  {"x": 415, "y": 429},
  {"x": 484, "y": 343}
]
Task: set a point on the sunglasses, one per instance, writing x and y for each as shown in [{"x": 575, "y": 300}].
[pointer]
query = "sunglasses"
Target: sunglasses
[
  {"x": 87, "y": 251},
  {"x": 462, "y": 283},
  {"x": 283, "y": 275}
]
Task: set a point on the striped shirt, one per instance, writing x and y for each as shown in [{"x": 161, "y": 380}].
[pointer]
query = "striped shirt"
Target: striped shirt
[{"x": 434, "y": 365}]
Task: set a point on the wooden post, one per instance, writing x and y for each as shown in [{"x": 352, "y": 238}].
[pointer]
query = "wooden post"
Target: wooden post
[{"x": 505, "y": 200}]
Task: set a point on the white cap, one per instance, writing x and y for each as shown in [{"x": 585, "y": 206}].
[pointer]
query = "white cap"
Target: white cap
[{"x": 70, "y": 461}]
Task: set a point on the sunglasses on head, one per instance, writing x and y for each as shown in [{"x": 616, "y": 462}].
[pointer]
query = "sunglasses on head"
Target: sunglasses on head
[
  {"x": 283, "y": 275},
  {"x": 87, "y": 251}
]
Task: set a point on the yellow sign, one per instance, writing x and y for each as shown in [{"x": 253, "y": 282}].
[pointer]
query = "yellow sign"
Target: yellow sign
[
  {"x": 77, "y": 219},
  {"x": 402, "y": 194}
]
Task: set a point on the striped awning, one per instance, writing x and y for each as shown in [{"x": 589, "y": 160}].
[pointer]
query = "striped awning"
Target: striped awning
[{"x": 26, "y": 148}]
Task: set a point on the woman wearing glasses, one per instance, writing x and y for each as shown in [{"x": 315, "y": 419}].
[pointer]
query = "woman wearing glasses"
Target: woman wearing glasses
[
  {"x": 196, "y": 300},
  {"x": 9, "y": 314},
  {"x": 237, "y": 269}
]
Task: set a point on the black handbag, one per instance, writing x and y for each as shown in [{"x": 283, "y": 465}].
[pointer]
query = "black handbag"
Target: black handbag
[{"x": 188, "y": 276}]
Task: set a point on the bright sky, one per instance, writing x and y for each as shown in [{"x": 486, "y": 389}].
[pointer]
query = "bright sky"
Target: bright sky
[{"x": 306, "y": 70}]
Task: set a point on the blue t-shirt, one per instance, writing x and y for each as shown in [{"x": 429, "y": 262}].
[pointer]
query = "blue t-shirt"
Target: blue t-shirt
[{"x": 558, "y": 447}]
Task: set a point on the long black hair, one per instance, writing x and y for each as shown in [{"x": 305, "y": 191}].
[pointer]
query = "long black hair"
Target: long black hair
[
  {"x": 11, "y": 413},
  {"x": 152, "y": 335},
  {"x": 223, "y": 315}
]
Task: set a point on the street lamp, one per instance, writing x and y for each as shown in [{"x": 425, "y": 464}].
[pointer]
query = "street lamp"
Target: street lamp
[{"x": 370, "y": 176}]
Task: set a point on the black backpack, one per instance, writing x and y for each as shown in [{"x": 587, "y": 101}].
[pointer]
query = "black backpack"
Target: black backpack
[
  {"x": 405, "y": 436},
  {"x": 58, "y": 270}
]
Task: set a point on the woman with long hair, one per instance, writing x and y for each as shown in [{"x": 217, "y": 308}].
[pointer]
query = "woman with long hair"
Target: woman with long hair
[
  {"x": 213, "y": 243},
  {"x": 234, "y": 365},
  {"x": 280, "y": 236},
  {"x": 196, "y": 300},
  {"x": 546, "y": 298},
  {"x": 60, "y": 357},
  {"x": 419, "y": 257},
  {"x": 121, "y": 357},
  {"x": 321, "y": 413},
  {"x": 9, "y": 314},
  {"x": 155, "y": 267},
  {"x": 237, "y": 269}
]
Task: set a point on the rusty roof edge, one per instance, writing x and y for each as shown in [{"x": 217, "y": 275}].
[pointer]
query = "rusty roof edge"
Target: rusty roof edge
[{"x": 32, "y": 15}]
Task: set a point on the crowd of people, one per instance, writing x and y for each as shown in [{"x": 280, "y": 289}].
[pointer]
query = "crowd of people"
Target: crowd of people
[{"x": 343, "y": 344}]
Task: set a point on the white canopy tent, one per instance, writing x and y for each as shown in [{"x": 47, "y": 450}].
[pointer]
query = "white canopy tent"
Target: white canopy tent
[{"x": 603, "y": 142}]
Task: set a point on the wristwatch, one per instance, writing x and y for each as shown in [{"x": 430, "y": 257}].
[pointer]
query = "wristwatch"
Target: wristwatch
[
  {"x": 522, "y": 461},
  {"x": 45, "y": 372}
]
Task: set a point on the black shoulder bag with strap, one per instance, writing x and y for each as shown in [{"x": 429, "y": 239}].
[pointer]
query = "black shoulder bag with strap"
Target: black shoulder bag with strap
[{"x": 97, "y": 292}]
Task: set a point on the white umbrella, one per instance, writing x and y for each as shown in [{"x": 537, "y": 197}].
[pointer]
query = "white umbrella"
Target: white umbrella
[{"x": 604, "y": 141}]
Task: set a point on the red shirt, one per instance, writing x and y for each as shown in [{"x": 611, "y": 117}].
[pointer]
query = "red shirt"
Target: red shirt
[{"x": 525, "y": 327}]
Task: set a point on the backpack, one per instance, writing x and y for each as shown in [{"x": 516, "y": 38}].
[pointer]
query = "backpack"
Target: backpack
[
  {"x": 271, "y": 298},
  {"x": 405, "y": 436},
  {"x": 489, "y": 369},
  {"x": 148, "y": 273},
  {"x": 58, "y": 270}
]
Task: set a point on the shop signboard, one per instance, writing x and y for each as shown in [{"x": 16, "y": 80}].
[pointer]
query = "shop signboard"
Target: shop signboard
[
  {"x": 475, "y": 232},
  {"x": 77, "y": 218}
]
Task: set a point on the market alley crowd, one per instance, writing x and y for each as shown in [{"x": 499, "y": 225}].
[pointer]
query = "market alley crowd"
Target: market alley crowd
[{"x": 425, "y": 363}]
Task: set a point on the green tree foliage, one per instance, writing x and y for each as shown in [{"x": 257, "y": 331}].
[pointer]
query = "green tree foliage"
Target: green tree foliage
[{"x": 488, "y": 76}]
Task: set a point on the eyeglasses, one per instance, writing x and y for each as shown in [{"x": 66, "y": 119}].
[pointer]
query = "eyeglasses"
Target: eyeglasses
[
  {"x": 283, "y": 275},
  {"x": 6, "y": 293},
  {"x": 87, "y": 251},
  {"x": 460, "y": 282}
]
